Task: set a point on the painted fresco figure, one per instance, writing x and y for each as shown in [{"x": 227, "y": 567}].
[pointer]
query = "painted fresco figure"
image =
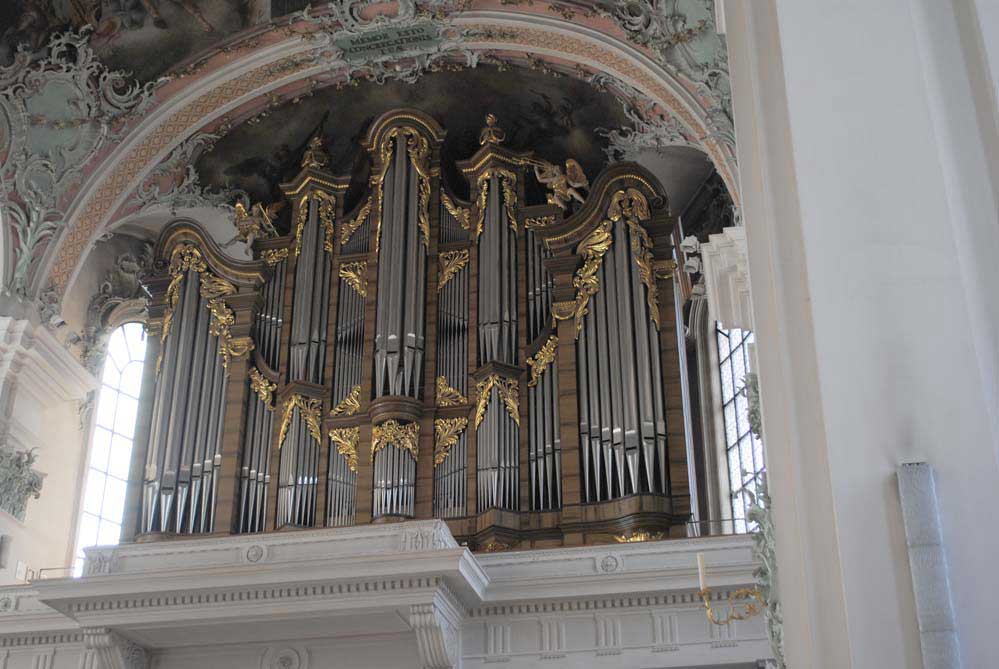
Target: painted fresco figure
[{"x": 189, "y": 6}]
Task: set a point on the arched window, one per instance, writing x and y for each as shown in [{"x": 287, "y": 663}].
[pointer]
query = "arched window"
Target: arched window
[
  {"x": 743, "y": 450},
  {"x": 111, "y": 443}
]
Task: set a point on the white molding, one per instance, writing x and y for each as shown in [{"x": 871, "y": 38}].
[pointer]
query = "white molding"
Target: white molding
[
  {"x": 34, "y": 359},
  {"x": 726, "y": 277},
  {"x": 409, "y": 582}
]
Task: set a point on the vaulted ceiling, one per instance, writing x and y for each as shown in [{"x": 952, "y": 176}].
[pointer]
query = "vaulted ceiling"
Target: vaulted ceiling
[{"x": 123, "y": 114}]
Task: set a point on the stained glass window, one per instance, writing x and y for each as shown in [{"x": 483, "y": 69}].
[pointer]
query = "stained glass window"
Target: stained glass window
[
  {"x": 743, "y": 450},
  {"x": 111, "y": 444}
]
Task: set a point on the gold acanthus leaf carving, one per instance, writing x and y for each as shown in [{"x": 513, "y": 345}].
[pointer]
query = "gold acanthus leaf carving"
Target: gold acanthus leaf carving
[
  {"x": 311, "y": 412},
  {"x": 538, "y": 222},
  {"x": 262, "y": 387},
  {"x": 346, "y": 440},
  {"x": 508, "y": 181},
  {"x": 460, "y": 214},
  {"x": 641, "y": 535},
  {"x": 402, "y": 435},
  {"x": 508, "y": 391},
  {"x": 350, "y": 404},
  {"x": 354, "y": 274},
  {"x": 450, "y": 263},
  {"x": 184, "y": 258},
  {"x": 632, "y": 207},
  {"x": 541, "y": 360},
  {"x": 301, "y": 218},
  {"x": 448, "y": 396},
  {"x": 327, "y": 218},
  {"x": 641, "y": 250},
  {"x": 418, "y": 149},
  {"x": 447, "y": 431},
  {"x": 350, "y": 227},
  {"x": 274, "y": 256}
]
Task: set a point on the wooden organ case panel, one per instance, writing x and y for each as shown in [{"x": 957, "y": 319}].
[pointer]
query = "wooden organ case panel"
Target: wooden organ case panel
[{"x": 509, "y": 367}]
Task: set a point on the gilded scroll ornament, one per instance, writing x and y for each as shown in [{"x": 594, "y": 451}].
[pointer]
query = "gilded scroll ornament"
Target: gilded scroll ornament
[
  {"x": 508, "y": 183},
  {"x": 327, "y": 217},
  {"x": 311, "y": 412},
  {"x": 315, "y": 155},
  {"x": 632, "y": 207},
  {"x": 301, "y": 218},
  {"x": 274, "y": 256},
  {"x": 538, "y": 222},
  {"x": 541, "y": 360},
  {"x": 350, "y": 227},
  {"x": 402, "y": 435},
  {"x": 664, "y": 269},
  {"x": 185, "y": 257},
  {"x": 346, "y": 440},
  {"x": 448, "y": 396},
  {"x": 214, "y": 290},
  {"x": 593, "y": 249},
  {"x": 460, "y": 214},
  {"x": 509, "y": 394},
  {"x": 262, "y": 387},
  {"x": 447, "y": 431},
  {"x": 450, "y": 263},
  {"x": 641, "y": 250},
  {"x": 354, "y": 274},
  {"x": 418, "y": 149},
  {"x": 350, "y": 404}
]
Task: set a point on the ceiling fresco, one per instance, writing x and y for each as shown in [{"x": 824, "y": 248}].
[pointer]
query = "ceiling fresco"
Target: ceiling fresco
[
  {"x": 143, "y": 37},
  {"x": 557, "y": 117}
]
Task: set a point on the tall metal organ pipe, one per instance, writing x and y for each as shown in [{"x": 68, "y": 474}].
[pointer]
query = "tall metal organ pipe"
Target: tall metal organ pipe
[
  {"x": 310, "y": 304},
  {"x": 498, "y": 435},
  {"x": 622, "y": 419},
  {"x": 402, "y": 261},
  {"x": 185, "y": 447}
]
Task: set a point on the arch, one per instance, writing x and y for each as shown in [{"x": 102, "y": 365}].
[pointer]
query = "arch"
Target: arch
[{"x": 277, "y": 58}]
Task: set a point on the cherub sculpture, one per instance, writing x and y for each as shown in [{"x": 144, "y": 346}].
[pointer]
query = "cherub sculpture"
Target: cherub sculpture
[
  {"x": 257, "y": 223},
  {"x": 563, "y": 187}
]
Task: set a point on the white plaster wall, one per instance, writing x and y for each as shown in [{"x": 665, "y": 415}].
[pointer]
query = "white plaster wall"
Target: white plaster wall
[
  {"x": 870, "y": 209},
  {"x": 45, "y": 539}
]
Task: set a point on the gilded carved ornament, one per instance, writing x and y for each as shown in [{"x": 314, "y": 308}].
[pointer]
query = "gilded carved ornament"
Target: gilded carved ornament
[
  {"x": 350, "y": 404},
  {"x": 311, "y": 412},
  {"x": 262, "y": 387},
  {"x": 401, "y": 435},
  {"x": 447, "y": 431},
  {"x": 418, "y": 149},
  {"x": 274, "y": 256},
  {"x": 353, "y": 273},
  {"x": 346, "y": 440},
  {"x": 301, "y": 218},
  {"x": 492, "y": 133},
  {"x": 508, "y": 181},
  {"x": 327, "y": 217},
  {"x": 541, "y": 360},
  {"x": 185, "y": 258},
  {"x": 448, "y": 396},
  {"x": 450, "y": 263},
  {"x": 350, "y": 227},
  {"x": 509, "y": 394},
  {"x": 630, "y": 206},
  {"x": 538, "y": 222},
  {"x": 460, "y": 214}
]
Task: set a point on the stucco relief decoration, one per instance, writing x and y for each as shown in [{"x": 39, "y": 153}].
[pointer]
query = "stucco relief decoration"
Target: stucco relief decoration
[
  {"x": 359, "y": 41},
  {"x": 59, "y": 109},
  {"x": 683, "y": 37},
  {"x": 18, "y": 481}
]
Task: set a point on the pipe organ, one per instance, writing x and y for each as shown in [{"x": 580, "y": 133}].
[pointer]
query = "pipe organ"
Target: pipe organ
[{"x": 403, "y": 352}]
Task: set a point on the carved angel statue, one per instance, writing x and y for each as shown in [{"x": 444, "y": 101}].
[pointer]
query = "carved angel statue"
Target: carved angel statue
[
  {"x": 564, "y": 186},
  {"x": 257, "y": 223}
]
